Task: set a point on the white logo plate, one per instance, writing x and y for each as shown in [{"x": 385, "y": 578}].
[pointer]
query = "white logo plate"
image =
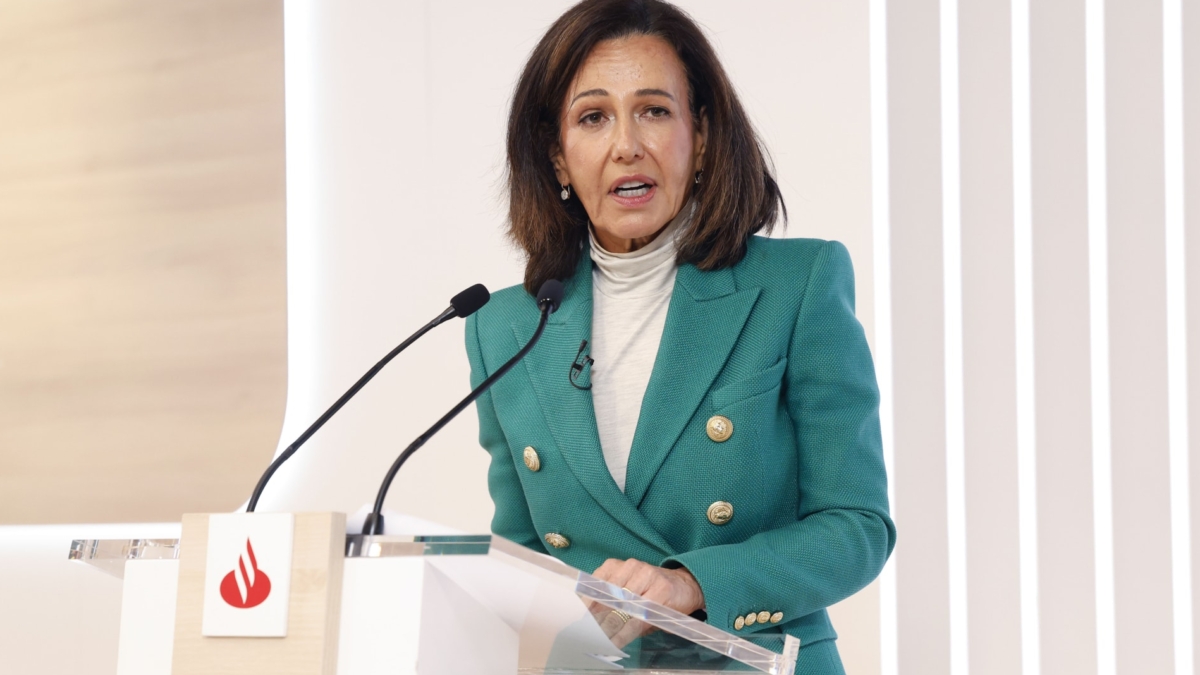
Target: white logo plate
[{"x": 248, "y": 575}]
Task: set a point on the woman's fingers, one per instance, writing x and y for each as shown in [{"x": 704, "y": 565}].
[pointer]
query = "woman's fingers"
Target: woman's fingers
[
  {"x": 641, "y": 577},
  {"x": 606, "y": 570},
  {"x": 618, "y": 572},
  {"x": 665, "y": 587},
  {"x": 660, "y": 590}
]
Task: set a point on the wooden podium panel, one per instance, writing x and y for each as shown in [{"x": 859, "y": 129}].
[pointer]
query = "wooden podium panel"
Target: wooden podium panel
[{"x": 310, "y": 647}]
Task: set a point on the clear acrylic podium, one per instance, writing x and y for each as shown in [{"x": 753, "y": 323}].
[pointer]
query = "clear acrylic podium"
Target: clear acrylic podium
[{"x": 456, "y": 604}]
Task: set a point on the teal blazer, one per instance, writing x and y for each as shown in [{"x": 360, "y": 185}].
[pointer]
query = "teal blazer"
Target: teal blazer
[{"x": 773, "y": 345}]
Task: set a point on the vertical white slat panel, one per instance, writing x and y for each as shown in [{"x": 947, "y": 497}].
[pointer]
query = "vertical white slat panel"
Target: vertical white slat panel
[
  {"x": 989, "y": 347},
  {"x": 1177, "y": 357},
  {"x": 952, "y": 332},
  {"x": 1026, "y": 403},
  {"x": 1098, "y": 323},
  {"x": 881, "y": 239},
  {"x": 923, "y": 602},
  {"x": 1062, "y": 389},
  {"x": 1191, "y": 214},
  {"x": 1137, "y": 337}
]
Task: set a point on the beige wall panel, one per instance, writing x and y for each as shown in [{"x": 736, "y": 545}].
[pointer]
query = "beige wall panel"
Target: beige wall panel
[
  {"x": 1062, "y": 361},
  {"x": 142, "y": 242},
  {"x": 989, "y": 339},
  {"x": 922, "y": 563},
  {"x": 1137, "y": 333}
]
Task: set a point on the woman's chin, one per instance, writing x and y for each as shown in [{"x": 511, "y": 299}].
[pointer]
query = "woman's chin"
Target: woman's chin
[{"x": 633, "y": 224}]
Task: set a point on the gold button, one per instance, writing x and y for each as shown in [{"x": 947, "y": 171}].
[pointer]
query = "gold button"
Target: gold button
[
  {"x": 739, "y": 623},
  {"x": 719, "y": 428},
  {"x": 531, "y": 459},
  {"x": 777, "y": 617},
  {"x": 751, "y": 618},
  {"x": 720, "y": 513},
  {"x": 557, "y": 540},
  {"x": 763, "y": 616}
]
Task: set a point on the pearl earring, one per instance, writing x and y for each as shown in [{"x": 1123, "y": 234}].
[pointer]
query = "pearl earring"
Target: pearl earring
[
  {"x": 698, "y": 174},
  {"x": 566, "y": 193}
]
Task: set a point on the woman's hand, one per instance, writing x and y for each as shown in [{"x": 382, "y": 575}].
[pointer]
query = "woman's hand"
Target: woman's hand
[{"x": 674, "y": 588}]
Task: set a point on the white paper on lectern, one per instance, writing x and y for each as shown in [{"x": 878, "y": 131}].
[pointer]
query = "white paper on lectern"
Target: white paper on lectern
[{"x": 248, "y": 575}]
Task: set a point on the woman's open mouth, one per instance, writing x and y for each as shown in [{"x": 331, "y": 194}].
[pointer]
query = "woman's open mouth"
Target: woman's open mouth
[
  {"x": 633, "y": 189},
  {"x": 633, "y": 192}
]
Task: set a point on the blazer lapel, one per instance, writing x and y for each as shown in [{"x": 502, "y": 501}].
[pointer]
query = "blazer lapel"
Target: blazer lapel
[
  {"x": 568, "y": 411},
  {"x": 704, "y": 320}
]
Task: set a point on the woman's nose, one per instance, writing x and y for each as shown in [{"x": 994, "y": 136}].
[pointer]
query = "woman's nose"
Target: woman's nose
[{"x": 627, "y": 142}]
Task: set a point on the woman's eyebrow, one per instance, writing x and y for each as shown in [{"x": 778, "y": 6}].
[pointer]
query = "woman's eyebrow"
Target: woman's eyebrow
[
  {"x": 604, "y": 92},
  {"x": 589, "y": 92},
  {"x": 654, "y": 92}
]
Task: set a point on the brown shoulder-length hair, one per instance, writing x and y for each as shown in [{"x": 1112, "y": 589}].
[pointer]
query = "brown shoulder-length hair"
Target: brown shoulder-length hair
[{"x": 738, "y": 196}]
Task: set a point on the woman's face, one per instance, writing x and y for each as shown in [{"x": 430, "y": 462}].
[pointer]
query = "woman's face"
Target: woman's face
[{"x": 628, "y": 148}]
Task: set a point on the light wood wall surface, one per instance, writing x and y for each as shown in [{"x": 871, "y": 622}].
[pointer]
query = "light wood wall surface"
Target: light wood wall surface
[{"x": 142, "y": 252}]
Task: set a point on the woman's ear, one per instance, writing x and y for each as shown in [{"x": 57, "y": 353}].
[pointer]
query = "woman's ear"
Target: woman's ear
[
  {"x": 560, "y": 167},
  {"x": 700, "y": 140}
]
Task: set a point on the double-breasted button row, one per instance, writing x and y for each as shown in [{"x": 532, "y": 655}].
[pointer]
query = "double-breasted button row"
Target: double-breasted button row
[
  {"x": 757, "y": 617},
  {"x": 719, "y": 428}
]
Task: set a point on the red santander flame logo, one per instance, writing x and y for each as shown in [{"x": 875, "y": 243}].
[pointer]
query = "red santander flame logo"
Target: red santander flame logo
[{"x": 245, "y": 587}]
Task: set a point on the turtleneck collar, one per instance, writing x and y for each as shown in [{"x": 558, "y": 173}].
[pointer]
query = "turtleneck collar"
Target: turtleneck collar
[{"x": 650, "y": 270}]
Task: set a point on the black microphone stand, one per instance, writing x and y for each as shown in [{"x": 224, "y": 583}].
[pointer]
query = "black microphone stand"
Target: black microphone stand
[
  {"x": 550, "y": 297},
  {"x": 463, "y": 304}
]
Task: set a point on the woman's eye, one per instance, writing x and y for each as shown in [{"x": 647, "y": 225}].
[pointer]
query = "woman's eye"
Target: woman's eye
[
  {"x": 658, "y": 111},
  {"x": 591, "y": 119}
]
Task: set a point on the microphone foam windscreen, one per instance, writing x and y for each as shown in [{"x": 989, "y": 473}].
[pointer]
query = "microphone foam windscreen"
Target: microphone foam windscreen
[
  {"x": 469, "y": 301},
  {"x": 551, "y": 292}
]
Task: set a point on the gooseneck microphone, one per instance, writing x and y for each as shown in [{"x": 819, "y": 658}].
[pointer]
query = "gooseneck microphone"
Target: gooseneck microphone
[
  {"x": 464, "y": 304},
  {"x": 549, "y": 297}
]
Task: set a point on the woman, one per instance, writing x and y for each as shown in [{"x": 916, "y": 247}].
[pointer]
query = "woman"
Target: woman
[{"x": 699, "y": 423}]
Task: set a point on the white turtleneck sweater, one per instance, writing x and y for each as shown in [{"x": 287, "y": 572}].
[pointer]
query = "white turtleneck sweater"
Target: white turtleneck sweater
[{"x": 630, "y": 296}]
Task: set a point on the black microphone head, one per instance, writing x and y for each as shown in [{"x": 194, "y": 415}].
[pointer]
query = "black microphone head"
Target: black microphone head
[
  {"x": 469, "y": 301},
  {"x": 550, "y": 294}
]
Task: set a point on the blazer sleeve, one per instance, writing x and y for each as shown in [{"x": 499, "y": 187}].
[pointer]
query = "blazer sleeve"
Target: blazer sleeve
[
  {"x": 511, "y": 519},
  {"x": 843, "y": 534}
]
